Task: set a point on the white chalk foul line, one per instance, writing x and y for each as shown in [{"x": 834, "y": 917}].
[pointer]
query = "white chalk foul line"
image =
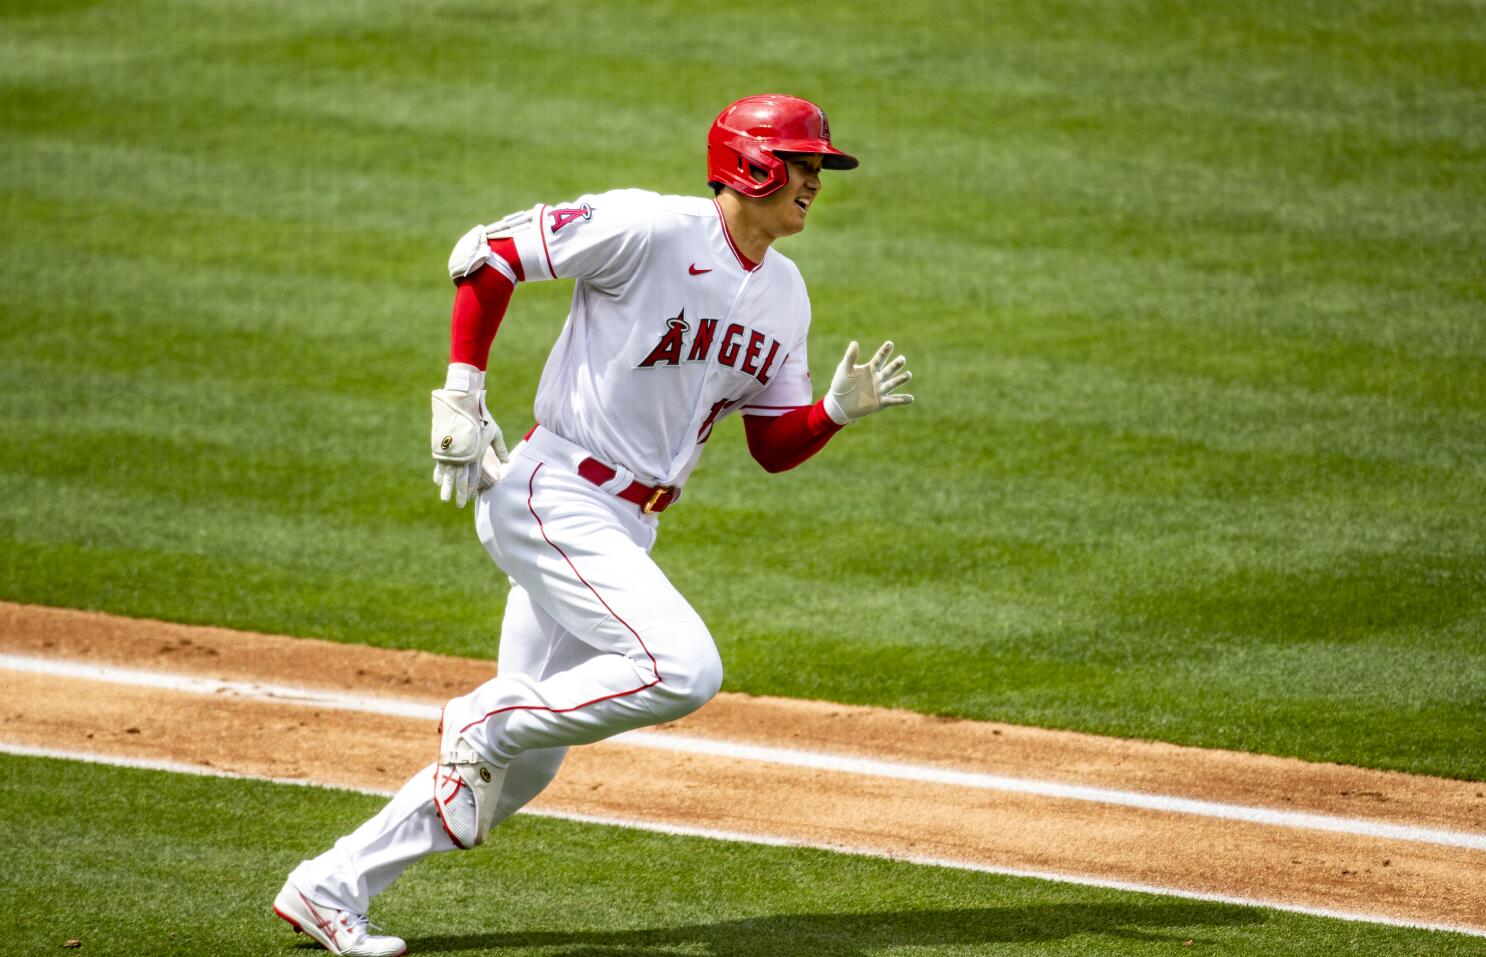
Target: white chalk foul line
[
  {"x": 814, "y": 760},
  {"x": 245, "y": 689},
  {"x": 821, "y": 761},
  {"x": 773, "y": 841}
]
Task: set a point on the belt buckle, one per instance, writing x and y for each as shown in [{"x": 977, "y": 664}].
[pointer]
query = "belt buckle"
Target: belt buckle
[{"x": 656, "y": 494}]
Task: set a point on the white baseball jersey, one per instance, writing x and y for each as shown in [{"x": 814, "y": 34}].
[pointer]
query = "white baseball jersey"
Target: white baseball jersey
[{"x": 670, "y": 328}]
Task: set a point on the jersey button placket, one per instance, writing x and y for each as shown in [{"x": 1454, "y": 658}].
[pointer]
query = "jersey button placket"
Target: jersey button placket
[{"x": 701, "y": 405}]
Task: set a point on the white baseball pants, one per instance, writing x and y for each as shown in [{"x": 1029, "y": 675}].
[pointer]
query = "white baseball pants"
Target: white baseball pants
[{"x": 595, "y": 641}]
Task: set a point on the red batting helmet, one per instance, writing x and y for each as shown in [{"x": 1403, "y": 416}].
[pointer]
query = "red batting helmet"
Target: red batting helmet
[{"x": 753, "y": 130}]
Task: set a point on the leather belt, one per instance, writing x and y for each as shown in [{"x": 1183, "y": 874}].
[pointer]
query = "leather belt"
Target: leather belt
[{"x": 650, "y": 498}]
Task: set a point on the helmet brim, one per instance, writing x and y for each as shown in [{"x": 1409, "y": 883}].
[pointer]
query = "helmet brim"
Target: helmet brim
[
  {"x": 830, "y": 157},
  {"x": 835, "y": 159}
]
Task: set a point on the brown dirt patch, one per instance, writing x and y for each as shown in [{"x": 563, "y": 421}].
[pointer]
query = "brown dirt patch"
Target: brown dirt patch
[{"x": 1402, "y": 879}]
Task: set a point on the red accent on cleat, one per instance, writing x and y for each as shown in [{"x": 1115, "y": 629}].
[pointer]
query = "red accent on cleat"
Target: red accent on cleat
[
  {"x": 438, "y": 805},
  {"x": 290, "y": 920}
]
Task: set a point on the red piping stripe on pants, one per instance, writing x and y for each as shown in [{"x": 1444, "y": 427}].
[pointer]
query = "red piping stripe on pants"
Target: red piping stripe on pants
[{"x": 654, "y": 666}]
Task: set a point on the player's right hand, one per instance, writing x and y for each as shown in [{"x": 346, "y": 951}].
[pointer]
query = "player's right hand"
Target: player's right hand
[
  {"x": 861, "y": 390},
  {"x": 463, "y": 431}
]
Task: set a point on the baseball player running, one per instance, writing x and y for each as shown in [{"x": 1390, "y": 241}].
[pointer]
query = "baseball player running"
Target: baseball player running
[{"x": 682, "y": 314}]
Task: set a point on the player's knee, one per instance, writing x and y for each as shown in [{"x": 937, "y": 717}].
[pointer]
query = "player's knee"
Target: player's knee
[
  {"x": 679, "y": 699},
  {"x": 689, "y": 679},
  {"x": 705, "y": 679}
]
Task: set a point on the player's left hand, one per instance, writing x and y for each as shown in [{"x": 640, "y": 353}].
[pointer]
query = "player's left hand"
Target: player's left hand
[
  {"x": 858, "y": 390},
  {"x": 493, "y": 465},
  {"x": 463, "y": 433}
]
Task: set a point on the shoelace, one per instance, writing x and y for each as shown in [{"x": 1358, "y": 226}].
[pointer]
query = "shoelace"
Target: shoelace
[{"x": 357, "y": 924}]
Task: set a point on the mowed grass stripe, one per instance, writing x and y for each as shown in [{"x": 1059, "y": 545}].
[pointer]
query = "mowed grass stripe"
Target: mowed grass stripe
[{"x": 1193, "y": 297}]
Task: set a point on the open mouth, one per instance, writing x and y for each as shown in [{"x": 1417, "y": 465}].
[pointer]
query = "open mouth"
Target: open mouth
[{"x": 804, "y": 204}]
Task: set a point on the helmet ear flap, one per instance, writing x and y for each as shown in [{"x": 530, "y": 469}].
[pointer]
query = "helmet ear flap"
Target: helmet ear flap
[
  {"x": 733, "y": 159},
  {"x": 755, "y": 161}
]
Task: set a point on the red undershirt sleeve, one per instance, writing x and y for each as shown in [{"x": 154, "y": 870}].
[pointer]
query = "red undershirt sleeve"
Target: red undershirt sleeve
[
  {"x": 480, "y": 302},
  {"x": 781, "y": 442}
]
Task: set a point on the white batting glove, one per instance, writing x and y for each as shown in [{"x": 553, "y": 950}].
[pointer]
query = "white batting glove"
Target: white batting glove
[
  {"x": 463, "y": 433},
  {"x": 861, "y": 390},
  {"x": 493, "y": 465}
]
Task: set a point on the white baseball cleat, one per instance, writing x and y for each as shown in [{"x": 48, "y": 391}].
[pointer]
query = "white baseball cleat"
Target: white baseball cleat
[
  {"x": 466, "y": 789},
  {"x": 338, "y": 931}
]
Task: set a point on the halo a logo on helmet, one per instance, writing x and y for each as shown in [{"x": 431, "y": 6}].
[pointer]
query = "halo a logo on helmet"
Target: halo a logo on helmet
[{"x": 567, "y": 214}]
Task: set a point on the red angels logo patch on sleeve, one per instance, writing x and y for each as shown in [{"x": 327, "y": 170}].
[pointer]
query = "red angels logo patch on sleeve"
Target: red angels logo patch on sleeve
[{"x": 567, "y": 214}]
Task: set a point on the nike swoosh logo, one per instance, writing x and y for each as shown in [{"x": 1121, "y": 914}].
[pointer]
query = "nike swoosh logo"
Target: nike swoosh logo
[{"x": 695, "y": 271}]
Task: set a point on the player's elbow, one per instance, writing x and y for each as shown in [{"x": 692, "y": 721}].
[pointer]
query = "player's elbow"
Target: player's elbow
[{"x": 768, "y": 458}]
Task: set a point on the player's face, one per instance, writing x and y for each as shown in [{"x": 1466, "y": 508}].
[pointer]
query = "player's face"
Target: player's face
[{"x": 782, "y": 213}]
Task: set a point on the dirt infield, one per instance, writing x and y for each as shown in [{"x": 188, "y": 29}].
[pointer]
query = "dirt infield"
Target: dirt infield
[{"x": 935, "y": 815}]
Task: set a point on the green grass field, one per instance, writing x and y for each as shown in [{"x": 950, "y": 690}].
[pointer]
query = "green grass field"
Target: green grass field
[
  {"x": 1194, "y": 296},
  {"x": 548, "y": 888}
]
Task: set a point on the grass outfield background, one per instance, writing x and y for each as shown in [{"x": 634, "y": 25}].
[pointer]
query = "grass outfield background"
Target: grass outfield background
[
  {"x": 1194, "y": 297},
  {"x": 200, "y": 882}
]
